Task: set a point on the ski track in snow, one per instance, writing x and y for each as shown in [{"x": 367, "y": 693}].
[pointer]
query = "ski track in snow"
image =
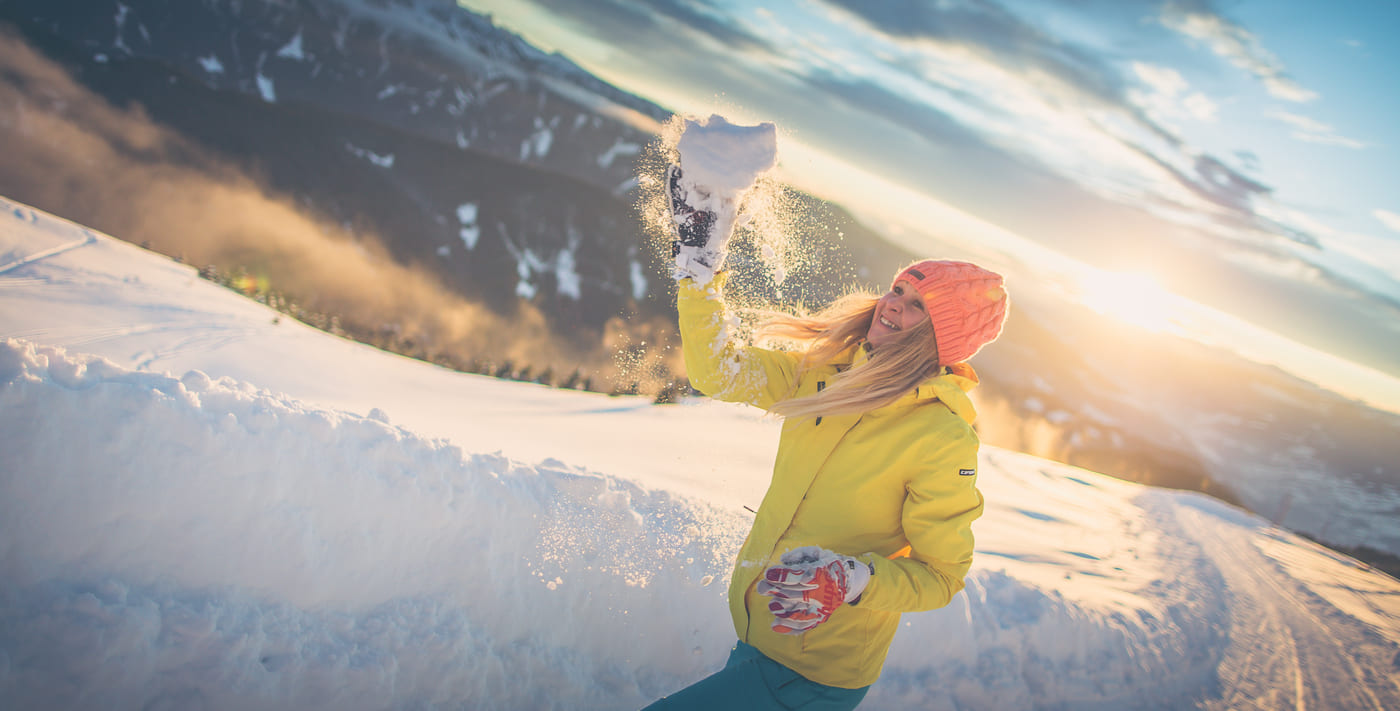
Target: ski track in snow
[{"x": 1288, "y": 647}]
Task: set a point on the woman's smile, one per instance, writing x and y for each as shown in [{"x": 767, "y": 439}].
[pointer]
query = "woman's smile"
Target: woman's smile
[{"x": 899, "y": 309}]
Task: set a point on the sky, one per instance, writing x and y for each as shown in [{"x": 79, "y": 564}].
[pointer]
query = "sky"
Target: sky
[{"x": 1242, "y": 155}]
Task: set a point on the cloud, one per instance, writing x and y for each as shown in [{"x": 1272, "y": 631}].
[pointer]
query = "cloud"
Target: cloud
[
  {"x": 660, "y": 24},
  {"x": 1009, "y": 89},
  {"x": 1388, "y": 218},
  {"x": 1170, "y": 95},
  {"x": 871, "y": 98},
  {"x": 993, "y": 32},
  {"x": 1197, "y": 20},
  {"x": 1314, "y": 131}
]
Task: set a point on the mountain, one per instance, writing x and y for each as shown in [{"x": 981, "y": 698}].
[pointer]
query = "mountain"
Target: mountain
[
  {"x": 422, "y": 67},
  {"x": 503, "y": 170}
]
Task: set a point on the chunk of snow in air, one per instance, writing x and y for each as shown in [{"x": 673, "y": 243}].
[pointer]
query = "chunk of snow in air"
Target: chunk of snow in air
[
  {"x": 724, "y": 157},
  {"x": 211, "y": 64}
]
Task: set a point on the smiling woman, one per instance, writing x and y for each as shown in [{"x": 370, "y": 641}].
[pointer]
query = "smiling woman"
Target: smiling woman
[{"x": 874, "y": 488}]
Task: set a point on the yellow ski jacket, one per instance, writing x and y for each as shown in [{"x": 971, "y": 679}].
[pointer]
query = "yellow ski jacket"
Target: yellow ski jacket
[{"x": 896, "y": 487}]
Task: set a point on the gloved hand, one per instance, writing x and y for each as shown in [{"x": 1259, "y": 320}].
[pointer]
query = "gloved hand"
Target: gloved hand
[
  {"x": 703, "y": 224},
  {"x": 809, "y": 584}
]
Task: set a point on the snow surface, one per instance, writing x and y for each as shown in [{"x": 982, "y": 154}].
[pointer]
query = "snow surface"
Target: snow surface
[
  {"x": 470, "y": 231},
  {"x": 382, "y": 161},
  {"x": 211, "y": 64},
  {"x": 204, "y": 505},
  {"x": 723, "y": 158},
  {"x": 293, "y": 49},
  {"x": 266, "y": 89}
]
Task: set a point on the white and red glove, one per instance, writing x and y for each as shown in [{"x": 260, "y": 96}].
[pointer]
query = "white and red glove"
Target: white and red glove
[{"x": 809, "y": 584}]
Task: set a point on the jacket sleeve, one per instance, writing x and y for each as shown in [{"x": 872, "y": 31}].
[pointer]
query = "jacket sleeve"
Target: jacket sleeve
[
  {"x": 719, "y": 367},
  {"x": 940, "y": 504}
]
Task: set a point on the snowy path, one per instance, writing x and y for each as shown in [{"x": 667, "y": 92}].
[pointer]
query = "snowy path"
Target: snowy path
[{"x": 1288, "y": 646}]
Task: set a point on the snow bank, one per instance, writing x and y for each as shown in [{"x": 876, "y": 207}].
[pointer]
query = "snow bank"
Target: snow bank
[{"x": 199, "y": 543}]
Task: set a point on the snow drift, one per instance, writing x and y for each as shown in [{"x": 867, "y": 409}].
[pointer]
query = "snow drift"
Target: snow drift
[
  {"x": 229, "y": 545},
  {"x": 200, "y": 543}
]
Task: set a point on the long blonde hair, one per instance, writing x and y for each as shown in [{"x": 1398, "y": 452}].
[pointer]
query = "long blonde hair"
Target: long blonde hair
[{"x": 893, "y": 370}]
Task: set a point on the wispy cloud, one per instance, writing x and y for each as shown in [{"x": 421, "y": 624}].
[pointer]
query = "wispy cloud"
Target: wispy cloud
[
  {"x": 1388, "y": 218},
  {"x": 981, "y": 79},
  {"x": 992, "y": 32},
  {"x": 1198, "y": 20},
  {"x": 1314, "y": 131},
  {"x": 1065, "y": 107},
  {"x": 1169, "y": 95},
  {"x": 659, "y": 23}
]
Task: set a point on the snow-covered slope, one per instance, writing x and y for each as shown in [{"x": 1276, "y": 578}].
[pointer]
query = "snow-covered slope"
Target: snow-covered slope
[{"x": 224, "y": 509}]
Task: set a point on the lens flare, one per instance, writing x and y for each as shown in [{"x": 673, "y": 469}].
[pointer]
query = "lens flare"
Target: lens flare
[{"x": 1134, "y": 298}]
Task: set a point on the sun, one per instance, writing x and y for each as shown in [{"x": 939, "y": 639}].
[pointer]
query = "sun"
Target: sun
[{"x": 1135, "y": 298}]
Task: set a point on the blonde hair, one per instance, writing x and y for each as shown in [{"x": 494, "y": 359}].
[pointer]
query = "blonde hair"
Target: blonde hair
[{"x": 893, "y": 370}]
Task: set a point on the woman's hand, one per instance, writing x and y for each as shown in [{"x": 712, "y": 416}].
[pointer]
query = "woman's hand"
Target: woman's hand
[
  {"x": 809, "y": 584},
  {"x": 703, "y": 223}
]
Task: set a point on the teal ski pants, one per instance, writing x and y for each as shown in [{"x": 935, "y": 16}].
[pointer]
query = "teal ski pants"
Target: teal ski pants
[{"x": 750, "y": 680}]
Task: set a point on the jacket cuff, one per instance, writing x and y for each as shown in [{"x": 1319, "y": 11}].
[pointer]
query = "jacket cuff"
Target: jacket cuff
[{"x": 713, "y": 288}]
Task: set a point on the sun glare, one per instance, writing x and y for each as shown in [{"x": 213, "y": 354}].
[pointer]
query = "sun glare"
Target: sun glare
[{"x": 1134, "y": 298}]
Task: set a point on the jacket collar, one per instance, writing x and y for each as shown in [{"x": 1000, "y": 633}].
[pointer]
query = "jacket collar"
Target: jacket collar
[{"x": 949, "y": 387}]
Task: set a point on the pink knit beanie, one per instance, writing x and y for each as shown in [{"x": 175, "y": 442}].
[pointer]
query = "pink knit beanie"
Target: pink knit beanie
[{"x": 966, "y": 303}]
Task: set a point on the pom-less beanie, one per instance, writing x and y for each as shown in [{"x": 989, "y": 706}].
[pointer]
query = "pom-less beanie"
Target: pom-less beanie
[{"x": 966, "y": 303}]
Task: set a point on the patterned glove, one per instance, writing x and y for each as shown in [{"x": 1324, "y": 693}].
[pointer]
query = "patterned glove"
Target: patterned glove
[
  {"x": 809, "y": 584},
  {"x": 703, "y": 225}
]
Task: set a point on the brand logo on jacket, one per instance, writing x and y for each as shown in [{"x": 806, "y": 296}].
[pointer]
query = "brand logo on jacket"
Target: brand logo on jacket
[{"x": 967, "y": 472}]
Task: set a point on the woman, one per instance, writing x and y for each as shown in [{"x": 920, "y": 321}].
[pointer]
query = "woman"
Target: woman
[{"x": 874, "y": 487}]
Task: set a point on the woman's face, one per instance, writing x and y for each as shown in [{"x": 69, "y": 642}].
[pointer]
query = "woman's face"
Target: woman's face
[{"x": 900, "y": 309}]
